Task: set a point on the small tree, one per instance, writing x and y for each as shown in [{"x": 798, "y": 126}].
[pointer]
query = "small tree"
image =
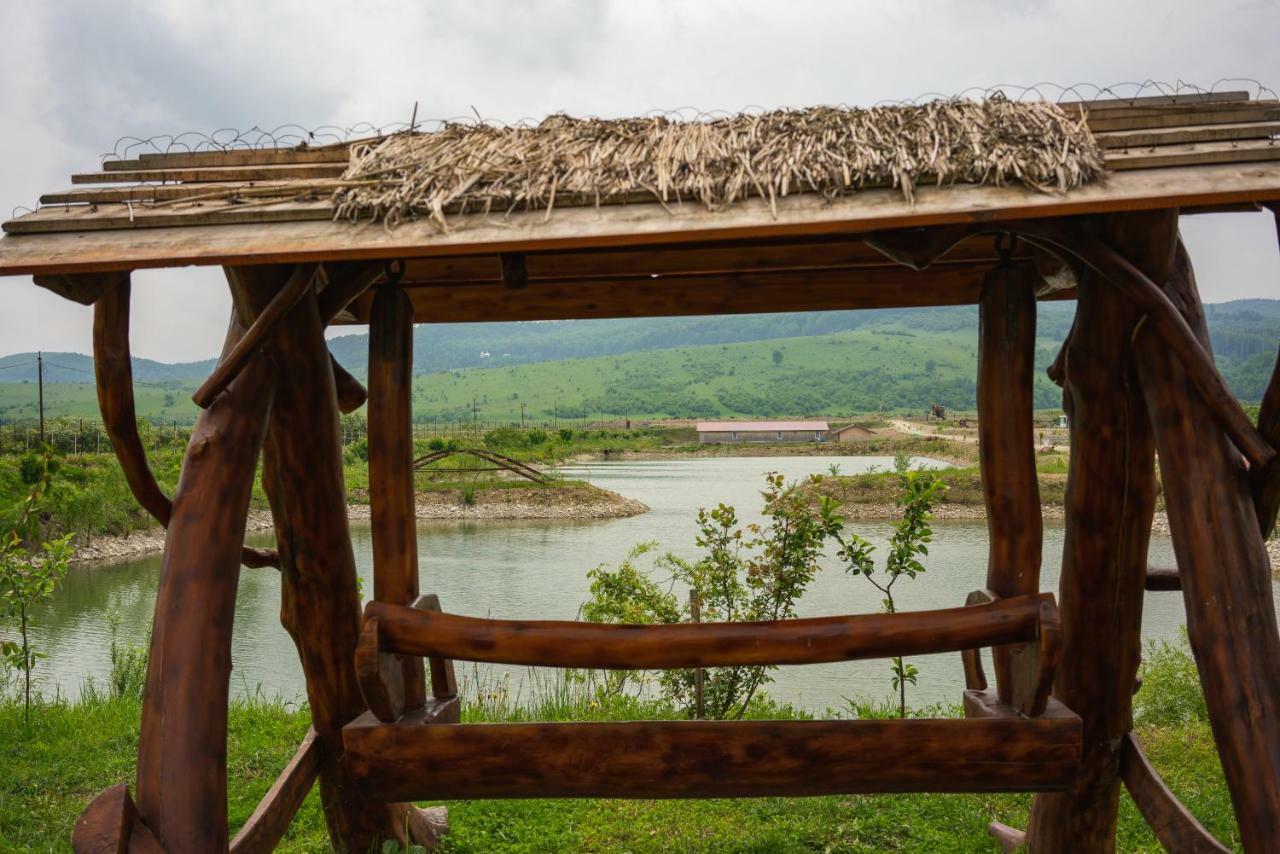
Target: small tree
[
  {"x": 756, "y": 572},
  {"x": 777, "y": 358},
  {"x": 29, "y": 574},
  {"x": 920, "y": 492}
]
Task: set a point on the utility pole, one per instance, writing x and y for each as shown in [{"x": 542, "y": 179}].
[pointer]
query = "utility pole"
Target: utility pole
[
  {"x": 40, "y": 383},
  {"x": 522, "y": 415}
]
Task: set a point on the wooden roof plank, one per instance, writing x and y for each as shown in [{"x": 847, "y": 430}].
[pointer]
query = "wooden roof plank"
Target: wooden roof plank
[
  {"x": 1166, "y": 156},
  {"x": 171, "y": 192},
  {"x": 121, "y": 216},
  {"x": 1113, "y": 140},
  {"x": 214, "y": 173},
  {"x": 1146, "y": 101},
  {"x": 630, "y": 225},
  {"x": 1254, "y": 111},
  {"x": 231, "y": 157}
]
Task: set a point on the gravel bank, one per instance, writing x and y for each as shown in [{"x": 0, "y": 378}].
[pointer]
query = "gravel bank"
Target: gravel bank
[{"x": 571, "y": 501}]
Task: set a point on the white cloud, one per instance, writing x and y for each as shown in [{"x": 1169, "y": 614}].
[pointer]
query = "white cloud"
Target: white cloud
[{"x": 81, "y": 75}]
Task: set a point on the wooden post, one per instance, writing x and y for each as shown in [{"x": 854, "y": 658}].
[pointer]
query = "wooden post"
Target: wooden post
[
  {"x": 1010, "y": 488},
  {"x": 182, "y": 752},
  {"x": 320, "y": 606},
  {"x": 1225, "y": 575},
  {"x": 695, "y": 610},
  {"x": 1109, "y": 505},
  {"x": 392, "y": 505}
]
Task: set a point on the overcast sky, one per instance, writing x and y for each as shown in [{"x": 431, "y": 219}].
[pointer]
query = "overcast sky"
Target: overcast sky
[{"x": 78, "y": 76}]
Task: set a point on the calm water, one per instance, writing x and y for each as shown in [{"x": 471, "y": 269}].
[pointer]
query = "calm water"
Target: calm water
[{"x": 538, "y": 570}]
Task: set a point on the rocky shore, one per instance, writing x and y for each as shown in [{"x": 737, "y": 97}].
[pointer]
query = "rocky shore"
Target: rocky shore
[{"x": 560, "y": 501}]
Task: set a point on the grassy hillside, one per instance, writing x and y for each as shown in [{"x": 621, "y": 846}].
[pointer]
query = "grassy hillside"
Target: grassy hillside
[{"x": 862, "y": 371}]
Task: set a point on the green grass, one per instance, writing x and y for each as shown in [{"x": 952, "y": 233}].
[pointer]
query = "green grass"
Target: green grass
[{"x": 71, "y": 752}]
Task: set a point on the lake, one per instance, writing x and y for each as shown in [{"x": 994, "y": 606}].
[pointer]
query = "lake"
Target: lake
[{"x": 537, "y": 569}]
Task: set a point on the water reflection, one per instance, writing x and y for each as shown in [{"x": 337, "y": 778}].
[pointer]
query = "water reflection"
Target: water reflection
[{"x": 538, "y": 570}]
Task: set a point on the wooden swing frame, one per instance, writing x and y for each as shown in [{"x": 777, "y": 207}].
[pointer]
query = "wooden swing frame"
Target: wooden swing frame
[{"x": 1138, "y": 381}]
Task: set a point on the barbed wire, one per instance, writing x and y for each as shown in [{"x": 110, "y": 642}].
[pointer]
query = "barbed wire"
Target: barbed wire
[{"x": 295, "y": 136}]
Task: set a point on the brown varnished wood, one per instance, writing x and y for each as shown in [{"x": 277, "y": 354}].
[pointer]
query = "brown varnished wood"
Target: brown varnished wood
[
  {"x": 1225, "y": 575},
  {"x": 351, "y": 394},
  {"x": 1099, "y": 255},
  {"x": 631, "y": 225},
  {"x": 182, "y": 759},
  {"x": 111, "y": 825},
  {"x": 555, "y": 643},
  {"x": 1266, "y": 480},
  {"x": 672, "y": 759},
  {"x": 392, "y": 503},
  {"x": 918, "y": 248},
  {"x": 298, "y": 285},
  {"x": 975, "y": 678},
  {"x": 1171, "y": 822},
  {"x": 267, "y": 826},
  {"x": 345, "y": 282},
  {"x": 85, "y": 289},
  {"x": 1006, "y": 440},
  {"x": 444, "y": 684},
  {"x": 1033, "y": 665},
  {"x": 302, "y": 474},
  {"x": 1110, "y": 502},
  {"x": 1163, "y": 578},
  {"x": 381, "y": 675},
  {"x": 113, "y": 369}
]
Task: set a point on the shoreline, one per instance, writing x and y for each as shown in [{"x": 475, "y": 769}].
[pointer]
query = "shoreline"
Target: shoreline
[{"x": 577, "y": 501}]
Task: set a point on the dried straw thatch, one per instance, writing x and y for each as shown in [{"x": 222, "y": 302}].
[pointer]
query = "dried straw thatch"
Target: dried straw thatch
[{"x": 824, "y": 150}]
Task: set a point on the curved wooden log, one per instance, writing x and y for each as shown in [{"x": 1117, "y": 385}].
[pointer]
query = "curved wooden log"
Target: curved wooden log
[
  {"x": 182, "y": 752},
  {"x": 1226, "y": 579},
  {"x": 347, "y": 281},
  {"x": 1110, "y": 502},
  {"x": 351, "y": 395},
  {"x": 975, "y": 678},
  {"x": 560, "y": 643},
  {"x": 320, "y": 608},
  {"x": 84, "y": 288},
  {"x": 113, "y": 367},
  {"x": 444, "y": 684},
  {"x": 381, "y": 675},
  {"x": 1171, "y": 822},
  {"x": 1006, "y": 441},
  {"x": 1172, "y": 327},
  {"x": 1008, "y": 838},
  {"x": 299, "y": 284},
  {"x": 1265, "y": 481},
  {"x": 267, "y": 826}
]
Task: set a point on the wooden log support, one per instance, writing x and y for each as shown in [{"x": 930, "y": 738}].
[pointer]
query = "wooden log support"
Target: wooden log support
[
  {"x": 113, "y": 370},
  {"x": 392, "y": 504},
  {"x": 1006, "y": 441},
  {"x": 706, "y": 759},
  {"x": 351, "y": 395},
  {"x": 1098, "y": 254},
  {"x": 320, "y": 608},
  {"x": 1226, "y": 579},
  {"x": 84, "y": 288},
  {"x": 381, "y": 672},
  {"x": 346, "y": 282},
  {"x": 1171, "y": 822},
  {"x": 267, "y": 826},
  {"x": 563, "y": 643},
  {"x": 299, "y": 284},
  {"x": 111, "y": 825},
  {"x": 1110, "y": 501},
  {"x": 1265, "y": 481},
  {"x": 182, "y": 751}
]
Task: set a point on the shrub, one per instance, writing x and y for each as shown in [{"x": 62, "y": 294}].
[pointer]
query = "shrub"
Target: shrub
[
  {"x": 436, "y": 444},
  {"x": 505, "y": 437},
  {"x": 536, "y": 436},
  {"x": 566, "y": 435}
]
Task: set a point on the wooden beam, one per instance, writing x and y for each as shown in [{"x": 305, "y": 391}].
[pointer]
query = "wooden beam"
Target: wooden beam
[
  {"x": 1195, "y": 154},
  {"x": 1187, "y": 134},
  {"x": 230, "y": 157},
  {"x": 1006, "y": 441},
  {"x": 111, "y": 825},
  {"x": 298, "y": 285},
  {"x": 214, "y": 173},
  {"x": 677, "y": 296},
  {"x": 182, "y": 751},
  {"x": 85, "y": 289},
  {"x": 1174, "y": 826},
  {"x": 630, "y": 225},
  {"x": 1162, "y": 579},
  {"x": 1231, "y": 617},
  {"x": 275, "y": 812},
  {"x": 674, "y": 759},
  {"x": 553, "y": 643},
  {"x": 1110, "y": 502}
]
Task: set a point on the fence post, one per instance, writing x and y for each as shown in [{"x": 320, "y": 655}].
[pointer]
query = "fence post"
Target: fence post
[{"x": 695, "y": 610}]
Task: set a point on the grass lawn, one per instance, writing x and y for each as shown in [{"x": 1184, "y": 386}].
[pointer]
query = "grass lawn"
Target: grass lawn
[{"x": 71, "y": 752}]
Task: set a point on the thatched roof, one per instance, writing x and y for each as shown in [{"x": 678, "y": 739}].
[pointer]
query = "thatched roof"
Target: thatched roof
[{"x": 827, "y": 150}]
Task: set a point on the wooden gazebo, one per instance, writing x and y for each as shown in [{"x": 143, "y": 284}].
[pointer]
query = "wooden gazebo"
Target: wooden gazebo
[{"x": 1138, "y": 381}]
